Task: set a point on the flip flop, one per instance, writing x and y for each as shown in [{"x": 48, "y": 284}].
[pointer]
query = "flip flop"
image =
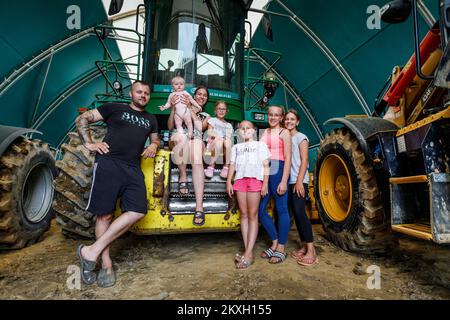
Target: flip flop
[
  {"x": 280, "y": 256},
  {"x": 308, "y": 261},
  {"x": 301, "y": 253},
  {"x": 244, "y": 264},
  {"x": 87, "y": 268},
  {"x": 199, "y": 215},
  {"x": 267, "y": 254}
]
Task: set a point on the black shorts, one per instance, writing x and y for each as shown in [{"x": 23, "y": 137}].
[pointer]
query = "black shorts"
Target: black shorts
[{"x": 113, "y": 179}]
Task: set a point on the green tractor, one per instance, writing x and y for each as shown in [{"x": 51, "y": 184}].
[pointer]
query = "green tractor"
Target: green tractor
[{"x": 202, "y": 41}]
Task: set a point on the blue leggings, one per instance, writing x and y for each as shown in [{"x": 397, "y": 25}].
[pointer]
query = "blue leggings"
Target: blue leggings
[{"x": 281, "y": 206}]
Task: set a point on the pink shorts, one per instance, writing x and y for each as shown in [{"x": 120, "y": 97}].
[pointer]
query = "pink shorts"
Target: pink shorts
[{"x": 248, "y": 185}]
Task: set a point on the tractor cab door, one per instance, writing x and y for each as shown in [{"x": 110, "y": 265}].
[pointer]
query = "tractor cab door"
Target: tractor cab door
[{"x": 202, "y": 41}]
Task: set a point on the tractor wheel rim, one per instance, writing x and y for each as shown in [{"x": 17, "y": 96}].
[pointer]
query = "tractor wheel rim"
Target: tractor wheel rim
[
  {"x": 342, "y": 188},
  {"x": 37, "y": 193},
  {"x": 335, "y": 188}
]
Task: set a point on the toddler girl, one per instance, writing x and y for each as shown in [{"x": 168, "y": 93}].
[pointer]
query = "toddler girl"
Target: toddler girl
[{"x": 182, "y": 113}]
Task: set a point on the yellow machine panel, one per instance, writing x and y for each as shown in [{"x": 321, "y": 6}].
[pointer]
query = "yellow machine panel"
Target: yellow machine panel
[{"x": 160, "y": 220}]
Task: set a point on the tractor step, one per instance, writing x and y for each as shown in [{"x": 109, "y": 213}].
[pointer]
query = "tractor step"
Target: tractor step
[
  {"x": 421, "y": 231},
  {"x": 412, "y": 199},
  {"x": 412, "y": 179},
  {"x": 215, "y": 198},
  {"x": 215, "y": 185},
  {"x": 187, "y": 206}
]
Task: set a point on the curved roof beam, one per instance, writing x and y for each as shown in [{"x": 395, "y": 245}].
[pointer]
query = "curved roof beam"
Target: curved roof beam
[
  {"x": 292, "y": 91},
  {"x": 330, "y": 56},
  {"x": 77, "y": 85},
  {"x": 127, "y": 14},
  {"x": 16, "y": 75},
  {"x": 35, "y": 61}
]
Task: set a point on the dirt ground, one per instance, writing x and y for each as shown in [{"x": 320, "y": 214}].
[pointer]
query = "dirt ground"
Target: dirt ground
[{"x": 200, "y": 266}]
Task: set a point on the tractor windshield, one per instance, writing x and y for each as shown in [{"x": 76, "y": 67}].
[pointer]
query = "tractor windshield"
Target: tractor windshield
[{"x": 202, "y": 41}]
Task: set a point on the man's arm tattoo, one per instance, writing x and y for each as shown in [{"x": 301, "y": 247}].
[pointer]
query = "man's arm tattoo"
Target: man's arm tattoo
[{"x": 83, "y": 126}]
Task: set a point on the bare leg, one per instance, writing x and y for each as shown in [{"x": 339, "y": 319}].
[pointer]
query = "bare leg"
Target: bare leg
[
  {"x": 116, "y": 229},
  {"x": 243, "y": 210},
  {"x": 183, "y": 177},
  {"x": 252, "y": 207},
  {"x": 187, "y": 119},
  {"x": 101, "y": 225},
  {"x": 227, "y": 151},
  {"x": 209, "y": 148},
  {"x": 179, "y": 124},
  {"x": 198, "y": 176},
  {"x": 218, "y": 146},
  {"x": 180, "y": 155}
]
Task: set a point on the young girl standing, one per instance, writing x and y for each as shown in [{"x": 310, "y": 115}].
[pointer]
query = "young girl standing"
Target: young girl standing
[
  {"x": 298, "y": 190},
  {"x": 250, "y": 162},
  {"x": 278, "y": 141}
]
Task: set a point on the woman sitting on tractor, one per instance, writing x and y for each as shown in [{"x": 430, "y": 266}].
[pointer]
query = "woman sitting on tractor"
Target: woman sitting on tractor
[{"x": 191, "y": 151}]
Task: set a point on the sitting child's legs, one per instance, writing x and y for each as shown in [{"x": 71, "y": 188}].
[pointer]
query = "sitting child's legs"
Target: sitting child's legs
[
  {"x": 211, "y": 147},
  {"x": 217, "y": 146},
  {"x": 226, "y": 149}
]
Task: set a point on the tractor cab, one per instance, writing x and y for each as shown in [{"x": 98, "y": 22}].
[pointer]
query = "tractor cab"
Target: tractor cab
[{"x": 201, "y": 41}]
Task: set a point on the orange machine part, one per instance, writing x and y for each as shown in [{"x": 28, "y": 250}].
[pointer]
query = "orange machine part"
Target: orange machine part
[{"x": 429, "y": 44}]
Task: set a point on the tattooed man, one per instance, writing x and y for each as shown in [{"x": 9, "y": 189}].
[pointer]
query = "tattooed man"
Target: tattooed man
[{"x": 117, "y": 174}]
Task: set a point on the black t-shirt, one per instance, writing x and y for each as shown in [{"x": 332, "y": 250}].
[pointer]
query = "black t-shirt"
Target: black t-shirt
[{"x": 128, "y": 131}]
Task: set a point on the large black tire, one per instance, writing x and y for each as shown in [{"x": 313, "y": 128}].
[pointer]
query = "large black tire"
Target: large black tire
[
  {"x": 366, "y": 228},
  {"x": 27, "y": 170},
  {"x": 73, "y": 186}
]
